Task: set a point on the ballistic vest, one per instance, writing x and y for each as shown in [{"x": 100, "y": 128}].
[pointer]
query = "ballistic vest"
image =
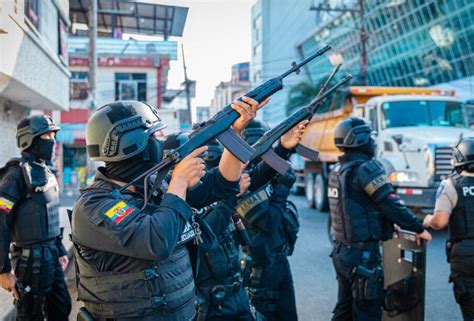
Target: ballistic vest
[
  {"x": 220, "y": 253},
  {"x": 461, "y": 221},
  {"x": 148, "y": 288},
  {"x": 351, "y": 221},
  {"x": 251, "y": 209},
  {"x": 37, "y": 214}
]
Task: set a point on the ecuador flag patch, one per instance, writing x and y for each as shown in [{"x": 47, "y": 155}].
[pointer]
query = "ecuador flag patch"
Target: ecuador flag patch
[
  {"x": 5, "y": 205},
  {"x": 119, "y": 211}
]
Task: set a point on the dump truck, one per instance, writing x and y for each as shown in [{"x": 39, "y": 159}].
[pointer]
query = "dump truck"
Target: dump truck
[{"x": 414, "y": 129}]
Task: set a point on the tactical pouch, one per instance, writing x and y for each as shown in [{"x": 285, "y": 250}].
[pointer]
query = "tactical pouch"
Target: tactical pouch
[
  {"x": 367, "y": 284},
  {"x": 84, "y": 315}
]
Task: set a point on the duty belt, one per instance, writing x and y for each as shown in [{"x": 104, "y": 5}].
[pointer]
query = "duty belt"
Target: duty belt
[
  {"x": 43, "y": 244},
  {"x": 231, "y": 286},
  {"x": 368, "y": 245}
]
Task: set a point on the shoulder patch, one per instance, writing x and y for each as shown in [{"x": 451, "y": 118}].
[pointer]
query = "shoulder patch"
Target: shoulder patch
[
  {"x": 375, "y": 184},
  {"x": 6, "y": 205},
  {"x": 119, "y": 211},
  {"x": 371, "y": 166}
]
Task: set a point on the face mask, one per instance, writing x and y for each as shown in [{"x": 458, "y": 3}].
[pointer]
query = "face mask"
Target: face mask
[{"x": 43, "y": 148}]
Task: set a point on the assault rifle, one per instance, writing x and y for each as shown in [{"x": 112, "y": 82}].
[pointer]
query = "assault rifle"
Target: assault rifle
[
  {"x": 263, "y": 147},
  {"x": 218, "y": 127}
]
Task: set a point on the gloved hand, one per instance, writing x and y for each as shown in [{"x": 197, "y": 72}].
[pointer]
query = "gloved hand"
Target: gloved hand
[{"x": 288, "y": 179}]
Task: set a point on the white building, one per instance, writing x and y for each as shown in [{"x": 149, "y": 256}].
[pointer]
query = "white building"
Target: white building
[
  {"x": 34, "y": 71},
  {"x": 228, "y": 91}
]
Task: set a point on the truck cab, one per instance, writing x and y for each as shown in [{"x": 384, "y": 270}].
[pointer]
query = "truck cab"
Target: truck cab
[{"x": 414, "y": 136}]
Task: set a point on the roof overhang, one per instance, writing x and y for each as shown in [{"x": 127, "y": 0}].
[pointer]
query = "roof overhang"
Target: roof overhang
[{"x": 133, "y": 17}]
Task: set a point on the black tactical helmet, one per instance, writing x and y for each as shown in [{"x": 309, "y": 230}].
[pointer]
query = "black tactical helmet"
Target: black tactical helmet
[
  {"x": 31, "y": 127},
  {"x": 120, "y": 130},
  {"x": 352, "y": 132},
  {"x": 254, "y": 130},
  {"x": 213, "y": 154},
  {"x": 174, "y": 141},
  {"x": 463, "y": 152}
]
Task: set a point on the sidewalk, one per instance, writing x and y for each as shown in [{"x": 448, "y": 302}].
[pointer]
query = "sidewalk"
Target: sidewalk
[{"x": 7, "y": 312}]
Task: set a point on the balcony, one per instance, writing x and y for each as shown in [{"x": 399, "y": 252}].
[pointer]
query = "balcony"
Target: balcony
[{"x": 79, "y": 47}]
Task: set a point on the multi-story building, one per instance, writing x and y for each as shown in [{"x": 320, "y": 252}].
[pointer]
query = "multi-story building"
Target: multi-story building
[
  {"x": 176, "y": 101},
  {"x": 409, "y": 43},
  {"x": 128, "y": 69},
  {"x": 228, "y": 91},
  {"x": 34, "y": 71}
]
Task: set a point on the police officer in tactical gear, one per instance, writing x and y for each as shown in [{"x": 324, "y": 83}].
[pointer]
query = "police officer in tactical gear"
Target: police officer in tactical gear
[
  {"x": 133, "y": 263},
  {"x": 29, "y": 217},
  {"x": 272, "y": 223},
  {"x": 219, "y": 283},
  {"x": 455, "y": 208},
  {"x": 364, "y": 209}
]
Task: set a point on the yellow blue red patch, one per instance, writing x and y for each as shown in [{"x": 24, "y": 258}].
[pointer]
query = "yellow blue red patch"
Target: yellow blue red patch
[
  {"x": 119, "y": 211},
  {"x": 6, "y": 205}
]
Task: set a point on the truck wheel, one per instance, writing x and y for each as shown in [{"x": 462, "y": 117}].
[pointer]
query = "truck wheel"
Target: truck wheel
[
  {"x": 321, "y": 200},
  {"x": 309, "y": 189}
]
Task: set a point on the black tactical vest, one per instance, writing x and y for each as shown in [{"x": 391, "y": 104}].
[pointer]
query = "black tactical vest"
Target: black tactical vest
[
  {"x": 37, "y": 214},
  {"x": 146, "y": 289},
  {"x": 461, "y": 221},
  {"x": 351, "y": 222},
  {"x": 251, "y": 209},
  {"x": 156, "y": 288},
  {"x": 220, "y": 253}
]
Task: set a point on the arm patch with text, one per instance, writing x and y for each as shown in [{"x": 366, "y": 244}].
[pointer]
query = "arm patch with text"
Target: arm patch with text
[{"x": 375, "y": 184}]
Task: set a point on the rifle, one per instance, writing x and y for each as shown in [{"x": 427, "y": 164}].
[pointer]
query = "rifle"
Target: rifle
[
  {"x": 263, "y": 147},
  {"x": 218, "y": 127}
]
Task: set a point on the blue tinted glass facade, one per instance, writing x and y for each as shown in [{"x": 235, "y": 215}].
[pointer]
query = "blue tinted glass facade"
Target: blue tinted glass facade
[{"x": 410, "y": 43}]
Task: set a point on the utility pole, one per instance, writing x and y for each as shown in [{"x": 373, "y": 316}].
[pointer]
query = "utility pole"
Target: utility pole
[
  {"x": 93, "y": 52},
  {"x": 186, "y": 86},
  {"x": 363, "y": 35}
]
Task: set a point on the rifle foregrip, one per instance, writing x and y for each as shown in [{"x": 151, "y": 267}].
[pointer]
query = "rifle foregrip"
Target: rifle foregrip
[{"x": 265, "y": 90}]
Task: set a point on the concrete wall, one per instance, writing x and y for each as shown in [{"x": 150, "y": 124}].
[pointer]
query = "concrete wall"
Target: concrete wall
[
  {"x": 31, "y": 72},
  {"x": 10, "y": 115}
]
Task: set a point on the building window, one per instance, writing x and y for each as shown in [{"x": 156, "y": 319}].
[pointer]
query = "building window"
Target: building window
[
  {"x": 62, "y": 41},
  {"x": 78, "y": 85},
  {"x": 32, "y": 12},
  {"x": 130, "y": 86}
]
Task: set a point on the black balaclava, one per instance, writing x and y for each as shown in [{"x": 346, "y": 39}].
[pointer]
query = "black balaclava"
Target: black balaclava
[
  {"x": 42, "y": 148},
  {"x": 368, "y": 149},
  {"x": 129, "y": 169}
]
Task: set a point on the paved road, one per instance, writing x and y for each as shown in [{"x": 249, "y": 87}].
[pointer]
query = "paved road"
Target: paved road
[{"x": 315, "y": 283}]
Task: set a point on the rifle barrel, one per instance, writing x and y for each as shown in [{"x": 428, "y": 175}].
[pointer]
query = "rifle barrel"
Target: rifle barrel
[
  {"x": 331, "y": 76},
  {"x": 304, "y": 62}
]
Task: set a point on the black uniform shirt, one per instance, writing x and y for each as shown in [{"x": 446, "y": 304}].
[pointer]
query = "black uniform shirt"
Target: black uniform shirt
[{"x": 115, "y": 234}]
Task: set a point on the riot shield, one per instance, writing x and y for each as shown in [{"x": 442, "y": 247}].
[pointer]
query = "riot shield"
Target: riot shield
[{"x": 404, "y": 272}]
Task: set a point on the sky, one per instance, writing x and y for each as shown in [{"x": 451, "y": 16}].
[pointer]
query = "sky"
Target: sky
[{"x": 217, "y": 34}]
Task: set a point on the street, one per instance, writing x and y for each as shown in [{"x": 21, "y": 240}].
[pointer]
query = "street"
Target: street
[{"x": 315, "y": 280}]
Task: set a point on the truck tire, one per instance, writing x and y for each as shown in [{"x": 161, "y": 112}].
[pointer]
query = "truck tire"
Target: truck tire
[
  {"x": 321, "y": 200},
  {"x": 309, "y": 189}
]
